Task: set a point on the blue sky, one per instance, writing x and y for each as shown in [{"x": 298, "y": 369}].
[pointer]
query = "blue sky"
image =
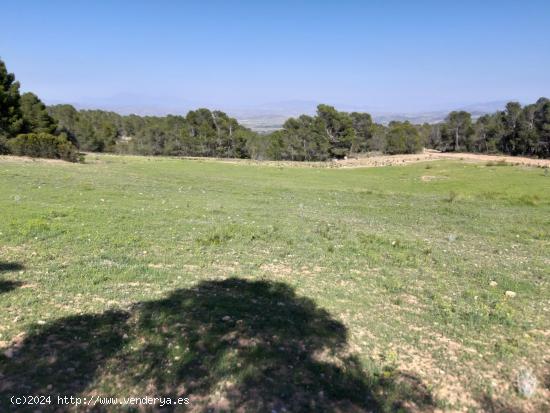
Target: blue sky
[{"x": 391, "y": 55}]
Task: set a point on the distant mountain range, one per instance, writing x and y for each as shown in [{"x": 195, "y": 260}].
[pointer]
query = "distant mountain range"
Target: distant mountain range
[{"x": 267, "y": 117}]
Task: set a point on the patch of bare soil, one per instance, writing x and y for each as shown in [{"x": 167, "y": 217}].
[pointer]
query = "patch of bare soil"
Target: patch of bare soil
[
  {"x": 431, "y": 155},
  {"x": 369, "y": 161},
  {"x": 452, "y": 388},
  {"x": 26, "y": 159},
  {"x": 277, "y": 269},
  {"x": 428, "y": 178},
  {"x": 363, "y": 161}
]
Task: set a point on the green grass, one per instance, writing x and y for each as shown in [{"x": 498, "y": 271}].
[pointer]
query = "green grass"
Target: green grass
[{"x": 269, "y": 288}]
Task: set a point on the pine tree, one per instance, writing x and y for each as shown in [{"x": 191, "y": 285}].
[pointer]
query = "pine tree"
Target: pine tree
[
  {"x": 35, "y": 116},
  {"x": 11, "y": 121}
]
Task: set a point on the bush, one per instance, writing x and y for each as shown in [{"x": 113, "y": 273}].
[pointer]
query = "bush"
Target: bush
[
  {"x": 43, "y": 145},
  {"x": 403, "y": 137},
  {"x": 3, "y": 145}
]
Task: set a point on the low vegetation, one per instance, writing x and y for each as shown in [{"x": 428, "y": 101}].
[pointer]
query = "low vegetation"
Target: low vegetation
[
  {"x": 264, "y": 288},
  {"x": 43, "y": 145}
]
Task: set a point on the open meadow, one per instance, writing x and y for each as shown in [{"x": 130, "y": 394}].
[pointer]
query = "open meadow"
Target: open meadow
[{"x": 243, "y": 287}]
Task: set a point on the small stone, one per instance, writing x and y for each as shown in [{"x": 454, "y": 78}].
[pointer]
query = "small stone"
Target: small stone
[
  {"x": 226, "y": 318},
  {"x": 9, "y": 353},
  {"x": 526, "y": 383},
  {"x": 510, "y": 294},
  {"x": 41, "y": 322},
  {"x": 493, "y": 283}
]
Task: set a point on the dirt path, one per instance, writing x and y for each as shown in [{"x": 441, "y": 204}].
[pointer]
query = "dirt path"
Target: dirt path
[
  {"x": 385, "y": 160},
  {"x": 27, "y": 159},
  {"x": 360, "y": 162}
]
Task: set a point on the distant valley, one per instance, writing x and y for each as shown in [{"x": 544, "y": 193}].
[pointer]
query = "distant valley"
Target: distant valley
[{"x": 265, "y": 118}]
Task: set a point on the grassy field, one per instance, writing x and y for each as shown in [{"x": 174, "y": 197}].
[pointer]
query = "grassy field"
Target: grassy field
[{"x": 261, "y": 288}]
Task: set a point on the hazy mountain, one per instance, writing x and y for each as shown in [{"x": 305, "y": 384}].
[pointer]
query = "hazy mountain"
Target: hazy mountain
[
  {"x": 129, "y": 103},
  {"x": 268, "y": 116},
  {"x": 271, "y": 116}
]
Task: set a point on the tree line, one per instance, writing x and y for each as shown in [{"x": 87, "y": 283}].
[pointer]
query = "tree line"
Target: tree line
[
  {"x": 328, "y": 134},
  {"x": 28, "y": 127},
  {"x": 516, "y": 130},
  {"x": 200, "y": 133}
]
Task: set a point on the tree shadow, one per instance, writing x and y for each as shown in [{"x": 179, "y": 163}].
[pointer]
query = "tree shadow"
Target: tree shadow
[
  {"x": 231, "y": 345},
  {"x": 7, "y": 285}
]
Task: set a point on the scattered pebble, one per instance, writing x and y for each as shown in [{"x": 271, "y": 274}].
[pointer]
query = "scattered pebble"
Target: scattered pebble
[
  {"x": 493, "y": 283},
  {"x": 510, "y": 294}
]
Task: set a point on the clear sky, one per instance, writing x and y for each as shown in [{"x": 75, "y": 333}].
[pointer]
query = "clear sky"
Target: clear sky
[{"x": 394, "y": 55}]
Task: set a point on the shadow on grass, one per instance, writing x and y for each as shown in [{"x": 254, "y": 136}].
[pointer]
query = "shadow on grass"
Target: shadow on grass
[
  {"x": 491, "y": 405},
  {"x": 7, "y": 285},
  {"x": 232, "y": 345}
]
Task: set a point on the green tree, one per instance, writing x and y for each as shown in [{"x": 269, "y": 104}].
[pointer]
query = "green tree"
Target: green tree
[
  {"x": 542, "y": 126},
  {"x": 339, "y": 130},
  {"x": 378, "y": 141},
  {"x": 305, "y": 139},
  {"x": 488, "y": 131},
  {"x": 66, "y": 118},
  {"x": 527, "y": 136},
  {"x": 36, "y": 118},
  {"x": 459, "y": 129},
  {"x": 11, "y": 121},
  {"x": 510, "y": 139},
  {"x": 425, "y": 131},
  {"x": 364, "y": 128},
  {"x": 403, "y": 137}
]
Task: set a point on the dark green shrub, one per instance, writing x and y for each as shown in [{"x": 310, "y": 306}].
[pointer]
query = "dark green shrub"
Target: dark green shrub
[
  {"x": 402, "y": 137},
  {"x": 43, "y": 145},
  {"x": 3, "y": 145}
]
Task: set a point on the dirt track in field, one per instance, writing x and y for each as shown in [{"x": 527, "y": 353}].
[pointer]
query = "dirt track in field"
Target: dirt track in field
[
  {"x": 385, "y": 160},
  {"x": 370, "y": 161},
  {"x": 364, "y": 161}
]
